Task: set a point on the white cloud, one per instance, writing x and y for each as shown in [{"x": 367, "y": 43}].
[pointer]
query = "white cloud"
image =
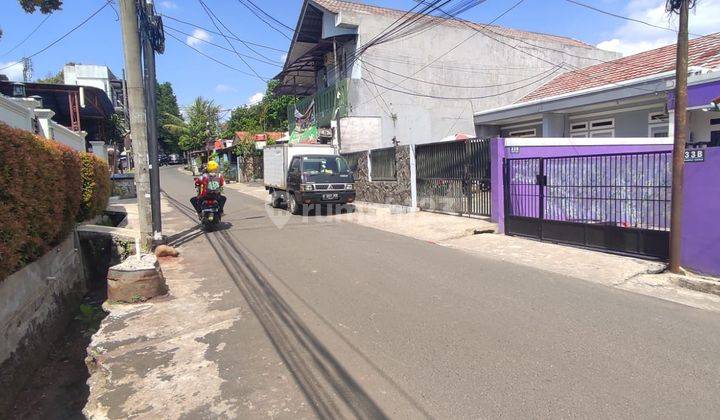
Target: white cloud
[
  {"x": 198, "y": 35},
  {"x": 633, "y": 37},
  {"x": 167, "y": 4},
  {"x": 224, "y": 88},
  {"x": 283, "y": 58},
  {"x": 14, "y": 70},
  {"x": 256, "y": 98}
]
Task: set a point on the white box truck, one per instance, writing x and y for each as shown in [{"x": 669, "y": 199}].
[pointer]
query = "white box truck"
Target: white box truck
[{"x": 301, "y": 175}]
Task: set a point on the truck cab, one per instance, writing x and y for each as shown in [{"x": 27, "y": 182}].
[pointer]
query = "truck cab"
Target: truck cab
[{"x": 318, "y": 179}]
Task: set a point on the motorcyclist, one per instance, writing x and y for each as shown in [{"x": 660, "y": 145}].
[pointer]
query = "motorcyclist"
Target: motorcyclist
[{"x": 209, "y": 174}]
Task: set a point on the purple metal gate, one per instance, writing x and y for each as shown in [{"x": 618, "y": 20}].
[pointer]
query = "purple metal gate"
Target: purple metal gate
[{"x": 616, "y": 202}]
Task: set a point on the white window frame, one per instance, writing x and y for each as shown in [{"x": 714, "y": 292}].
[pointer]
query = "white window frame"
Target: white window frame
[
  {"x": 523, "y": 133},
  {"x": 604, "y": 127},
  {"x": 652, "y": 126},
  {"x": 579, "y": 135},
  {"x": 578, "y": 130},
  {"x": 664, "y": 121},
  {"x": 610, "y": 131}
]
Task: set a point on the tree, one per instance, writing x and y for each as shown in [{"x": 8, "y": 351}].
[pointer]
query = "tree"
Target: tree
[
  {"x": 243, "y": 118},
  {"x": 270, "y": 114},
  {"x": 45, "y": 6},
  {"x": 276, "y": 108},
  {"x": 167, "y": 105},
  {"x": 58, "y": 78},
  {"x": 202, "y": 123}
]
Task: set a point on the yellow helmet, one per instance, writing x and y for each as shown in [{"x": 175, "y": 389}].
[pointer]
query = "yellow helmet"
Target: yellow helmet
[{"x": 212, "y": 166}]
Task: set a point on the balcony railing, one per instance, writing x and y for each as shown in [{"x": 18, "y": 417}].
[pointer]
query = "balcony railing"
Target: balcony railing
[{"x": 326, "y": 102}]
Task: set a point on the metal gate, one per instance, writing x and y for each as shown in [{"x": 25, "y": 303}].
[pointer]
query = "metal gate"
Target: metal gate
[
  {"x": 615, "y": 202},
  {"x": 454, "y": 176}
]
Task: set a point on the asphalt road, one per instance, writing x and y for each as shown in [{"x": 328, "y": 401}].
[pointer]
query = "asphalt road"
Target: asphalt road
[{"x": 371, "y": 324}]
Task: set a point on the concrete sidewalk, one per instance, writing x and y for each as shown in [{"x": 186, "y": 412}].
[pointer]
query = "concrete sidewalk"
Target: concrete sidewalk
[
  {"x": 463, "y": 233},
  {"x": 168, "y": 357}
]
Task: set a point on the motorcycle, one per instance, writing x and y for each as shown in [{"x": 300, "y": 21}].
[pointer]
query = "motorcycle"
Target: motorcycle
[{"x": 210, "y": 215}]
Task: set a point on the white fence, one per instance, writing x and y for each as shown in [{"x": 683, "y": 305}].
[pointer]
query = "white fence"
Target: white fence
[{"x": 24, "y": 114}]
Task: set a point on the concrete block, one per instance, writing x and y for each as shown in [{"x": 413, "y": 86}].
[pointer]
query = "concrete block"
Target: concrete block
[{"x": 136, "y": 279}]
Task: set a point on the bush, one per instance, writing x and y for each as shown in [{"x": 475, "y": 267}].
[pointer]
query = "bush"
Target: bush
[
  {"x": 41, "y": 189},
  {"x": 95, "y": 175}
]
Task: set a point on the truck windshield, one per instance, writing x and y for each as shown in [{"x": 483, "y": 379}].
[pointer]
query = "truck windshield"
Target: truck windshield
[{"x": 324, "y": 165}]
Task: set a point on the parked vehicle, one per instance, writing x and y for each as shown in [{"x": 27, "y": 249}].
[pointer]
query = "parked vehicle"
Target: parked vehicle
[
  {"x": 174, "y": 159},
  {"x": 163, "y": 159},
  {"x": 306, "y": 174}
]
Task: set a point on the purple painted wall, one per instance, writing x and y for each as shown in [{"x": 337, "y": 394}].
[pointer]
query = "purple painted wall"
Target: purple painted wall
[
  {"x": 698, "y": 95},
  {"x": 560, "y": 151},
  {"x": 701, "y": 215},
  {"x": 499, "y": 152}
]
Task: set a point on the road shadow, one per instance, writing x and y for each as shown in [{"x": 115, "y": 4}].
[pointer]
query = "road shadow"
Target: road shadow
[
  {"x": 190, "y": 234},
  {"x": 326, "y": 384},
  {"x": 328, "y": 387}
]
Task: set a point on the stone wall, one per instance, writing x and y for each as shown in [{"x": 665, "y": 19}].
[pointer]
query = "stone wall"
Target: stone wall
[
  {"x": 123, "y": 185},
  {"x": 36, "y": 304},
  {"x": 396, "y": 192}
]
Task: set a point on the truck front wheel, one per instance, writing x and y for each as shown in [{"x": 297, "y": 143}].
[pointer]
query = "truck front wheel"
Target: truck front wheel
[
  {"x": 293, "y": 206},
  {"x": 275, "y": 199}
]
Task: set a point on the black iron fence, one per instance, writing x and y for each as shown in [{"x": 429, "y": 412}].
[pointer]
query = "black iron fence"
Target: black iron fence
[
  {"x": 383, "y": 165},
  {"x": 454, "y": 176},
  {"x": 618, "y": 202}
]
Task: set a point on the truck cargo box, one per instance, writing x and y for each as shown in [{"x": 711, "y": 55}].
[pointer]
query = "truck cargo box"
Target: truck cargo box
[{"x": 276, "y": 159}]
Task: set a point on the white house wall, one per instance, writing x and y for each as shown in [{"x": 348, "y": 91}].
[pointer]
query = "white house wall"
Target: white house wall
[
  {"x": 700, "y": 128},
  {"x": 18, "y": 116},
  {"x": 480, "y": 61},
  {"x": 633, "y": 122}
]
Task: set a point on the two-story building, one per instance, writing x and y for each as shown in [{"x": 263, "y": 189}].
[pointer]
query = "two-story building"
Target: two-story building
[
  {"x": 97, "y": 76},
  {"x": 371, "y": 77}
]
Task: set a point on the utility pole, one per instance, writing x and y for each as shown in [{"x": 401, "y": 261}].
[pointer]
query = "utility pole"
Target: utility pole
[
  {"x": 682, "y": 7},
  {"x": 150, "y": 84},
  {"x": 138, "y": 116}
]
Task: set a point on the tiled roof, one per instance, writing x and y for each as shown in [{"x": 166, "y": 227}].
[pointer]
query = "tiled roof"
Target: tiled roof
[
  {"x": 272, "y": 135},
  {"x": 703, "y": 52},
  {"x": 337, "y": 6}
]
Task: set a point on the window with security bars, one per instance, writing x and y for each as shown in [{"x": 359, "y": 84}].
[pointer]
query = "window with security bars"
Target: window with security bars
[{"x": 382, "y": 165}]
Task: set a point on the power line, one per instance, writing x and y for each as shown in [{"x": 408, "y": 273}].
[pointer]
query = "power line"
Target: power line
[
  {"x": 214, "y": 17},
  {"x": 255, "y": 44},
  {"x": 411, "y": 93},
  {"x": 27, "y": 37},
  {"x": 605, "y": 12},
  {"x": 432, "y": 21},
  {"x": 209, "y": 56},
  {"x": 211, "y": 15},
  {"x": 65, "y": 35},
  {"x": 270, "y": 16},
  {"x": 516, "y": 4},
  {"x": 221, "y": 47},
  {"x": 448, "y": 85},
  {"x": 270, "y": 25},
  {"x": 484, "y": 29}
]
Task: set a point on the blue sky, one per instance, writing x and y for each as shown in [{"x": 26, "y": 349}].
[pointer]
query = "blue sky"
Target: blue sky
[{"x": 99, "y": 41}]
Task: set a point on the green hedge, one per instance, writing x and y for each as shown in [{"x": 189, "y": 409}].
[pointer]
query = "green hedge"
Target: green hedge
[
  {"x": 95, "y": 186},
  {"x": 41, "y": 189}
]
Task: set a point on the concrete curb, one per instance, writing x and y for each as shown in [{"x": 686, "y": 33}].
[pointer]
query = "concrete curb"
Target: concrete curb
[{"x": 698, "y": 284}]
